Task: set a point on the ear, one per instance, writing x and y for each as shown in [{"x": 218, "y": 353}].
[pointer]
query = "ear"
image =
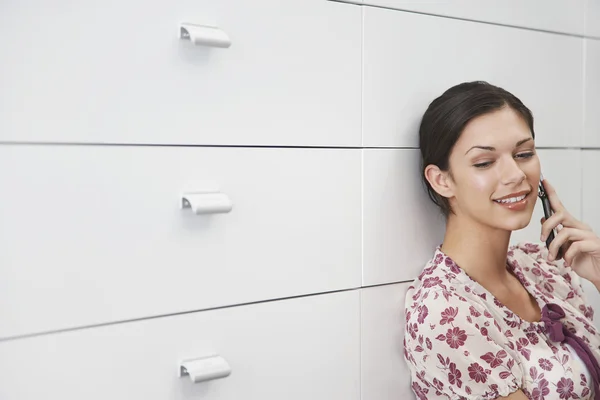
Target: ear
[{"x": 439, "y": 180}]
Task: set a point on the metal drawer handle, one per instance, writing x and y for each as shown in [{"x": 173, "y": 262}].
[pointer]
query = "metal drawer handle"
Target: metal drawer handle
[
  {"x": 202, "y": 35},
  {"x": 205, "y": 369}
]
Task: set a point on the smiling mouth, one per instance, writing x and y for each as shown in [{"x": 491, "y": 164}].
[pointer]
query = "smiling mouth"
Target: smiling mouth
[{"x": 511, "y": 199}]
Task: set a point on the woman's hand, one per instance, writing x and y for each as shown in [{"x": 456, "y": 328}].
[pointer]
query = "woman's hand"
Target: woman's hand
[{"x": 580, "y": 245}]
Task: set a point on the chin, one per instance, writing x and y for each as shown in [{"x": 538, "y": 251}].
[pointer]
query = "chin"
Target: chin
[
  {"x": 511, "y": 220},
  {"x": 515, "y": 222}
]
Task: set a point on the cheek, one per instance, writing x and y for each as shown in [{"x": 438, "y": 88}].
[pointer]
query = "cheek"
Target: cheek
[
  {"x": 482, "y": 184},
  {"x": 532, "y": 170}
]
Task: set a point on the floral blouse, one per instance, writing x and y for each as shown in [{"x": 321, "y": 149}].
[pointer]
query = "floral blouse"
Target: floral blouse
[{"x": 462, "y": 343}]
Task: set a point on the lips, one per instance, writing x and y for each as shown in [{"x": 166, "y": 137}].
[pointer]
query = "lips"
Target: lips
[
  {"x": 515, "y": 201},
  {"x": 509, "y": 200},
  {"x": 513, "y": 197}
]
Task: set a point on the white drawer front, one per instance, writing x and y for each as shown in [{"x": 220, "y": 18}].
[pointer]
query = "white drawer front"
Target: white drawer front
[
  {"x": 401, "y": 225},
  {"x": 592, "y": 18},
  {"x": 591, "y": 188},
  {"x": 298, "y": 349},
  {"x": 411, "y": 59},
  {"x": 384, "y": 373},
  {"x": 550, "y": 15},
  {"x": 92, "y": 234},
  {"x": 563, "y": 170},
  {"x": 592, "y": 93},
  {"x": 117, "y": 72}
]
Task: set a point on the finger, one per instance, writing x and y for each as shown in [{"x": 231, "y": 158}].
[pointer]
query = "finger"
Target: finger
[
  {"x": 550, "y": 224},
  {"x": 563, "y": 237},
  {"x": 577, "y": 248},
  {"x": 572, "y": 252}
]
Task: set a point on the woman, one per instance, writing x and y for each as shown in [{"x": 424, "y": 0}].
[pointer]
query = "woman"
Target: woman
[{"x": 487, "y": 320}]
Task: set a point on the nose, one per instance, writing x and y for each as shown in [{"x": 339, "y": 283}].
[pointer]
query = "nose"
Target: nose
[{"x": 512, "y": 174}]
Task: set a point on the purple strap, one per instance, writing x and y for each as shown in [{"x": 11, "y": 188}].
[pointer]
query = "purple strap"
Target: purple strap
[{"x": 551, "y": 316}]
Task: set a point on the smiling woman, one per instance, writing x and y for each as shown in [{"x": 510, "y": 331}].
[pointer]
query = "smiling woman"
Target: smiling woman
[{"x": 485, "y": 320}]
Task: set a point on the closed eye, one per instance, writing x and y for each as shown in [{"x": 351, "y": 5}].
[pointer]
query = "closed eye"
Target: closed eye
[
  {"x": 522, "y": 156},
  {"x": 525, "y": 155},
  {"x": 483, "y": 164}
]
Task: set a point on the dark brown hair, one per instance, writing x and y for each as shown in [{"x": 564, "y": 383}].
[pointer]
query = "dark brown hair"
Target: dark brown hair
[{"x": 446, "y": 117}]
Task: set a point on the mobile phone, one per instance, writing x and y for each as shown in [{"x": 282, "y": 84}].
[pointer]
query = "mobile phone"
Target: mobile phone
[{"x": 547, "y": 213}]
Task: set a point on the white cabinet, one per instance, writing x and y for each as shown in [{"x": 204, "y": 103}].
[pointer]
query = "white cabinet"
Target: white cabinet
[
  {"x": 592, "y": 18},
  {"x": 565, "y": 16},
  {"x": 306, "y": 348},
  {"x": 117, "y": 72},
  {"x": 410, "y": 59},
  {"x": 401, "y": 226},
  {"x": 592, "y": 93},
  {"x": 95, "y": 234},
  {"x": 384, "y": 373},
  {"x": 591, "y": 188}
]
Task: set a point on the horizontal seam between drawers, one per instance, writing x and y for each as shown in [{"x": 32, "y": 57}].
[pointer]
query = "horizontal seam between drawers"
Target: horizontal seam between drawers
[
  {"x": 470, "y": 20},
  {"x": 125, "y": 321},
  {"x": 242, "y": 146}
]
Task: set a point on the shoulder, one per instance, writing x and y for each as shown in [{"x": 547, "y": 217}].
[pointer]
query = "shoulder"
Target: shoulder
[
  {"x": 452, "y": 343},
  {"x": 440, "y": 299},
  {"x": 439, "y": 277}
]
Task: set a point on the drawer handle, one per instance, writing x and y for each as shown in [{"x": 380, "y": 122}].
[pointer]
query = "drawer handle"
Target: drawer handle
[
  {"x": 202, "y": 35},
  {"x": 205, "y": 369},
  {"x": 206, "y": 202}
]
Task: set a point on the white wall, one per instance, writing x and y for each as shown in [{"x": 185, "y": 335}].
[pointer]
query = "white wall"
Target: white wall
[
  {"x": 296, "y": 148},
  {"x": 550, "y": 59}
]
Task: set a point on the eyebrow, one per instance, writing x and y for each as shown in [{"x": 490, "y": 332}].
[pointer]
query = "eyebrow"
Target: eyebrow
[{"x": 490, "y": 148}]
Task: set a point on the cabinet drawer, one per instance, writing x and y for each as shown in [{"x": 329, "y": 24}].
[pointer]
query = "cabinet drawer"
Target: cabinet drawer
[
  {"x": 402, "y": 226},
  {"x": 384, "y": 373},
  {"x": 592, "y": 15},
  {"x": 117, "y": 72},
  {"x": 307, "y": 348},
  {"x": 92, "y": 234},
  {"x": 549, "y": 15},
  {"x": 410, "y": 59},
  {"x": 592, "y": 93},
  {"x": 591, "y": 188}
]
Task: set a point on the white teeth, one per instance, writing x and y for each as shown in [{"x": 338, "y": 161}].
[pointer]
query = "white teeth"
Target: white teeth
[{"x": 511, "y": 200}]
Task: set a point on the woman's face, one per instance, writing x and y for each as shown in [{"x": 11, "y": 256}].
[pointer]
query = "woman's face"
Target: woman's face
[{"x": 495, "y": 171}]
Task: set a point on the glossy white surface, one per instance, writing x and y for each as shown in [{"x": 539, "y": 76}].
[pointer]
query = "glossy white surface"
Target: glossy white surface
[
  {"x": 550, "y": 15},
  {"x": 401, "y": 225},
  {"x": 592, "y": 20},
  {"x": 591, "y": 188},
  {"x": 117, "y": 72},
  {"x": 410, "y": 59},
  {"x": 307, "y": 348},
  {"x": 592, "y": 94},
  {"x": 384, "y": 373},
  {"x": 93, "y": 234}
]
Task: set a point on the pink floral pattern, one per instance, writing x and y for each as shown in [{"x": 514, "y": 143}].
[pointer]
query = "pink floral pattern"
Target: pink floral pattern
[{"x": 462, "y": 343}]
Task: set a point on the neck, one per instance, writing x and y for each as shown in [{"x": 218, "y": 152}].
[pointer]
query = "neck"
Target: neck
[{"x": 479, "y": 250}]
